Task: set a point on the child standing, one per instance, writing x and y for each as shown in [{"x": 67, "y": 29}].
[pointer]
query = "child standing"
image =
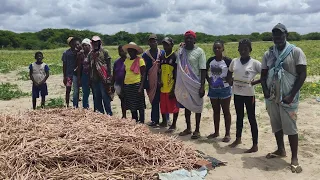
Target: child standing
[
  {"x": 219, "y": 89},
  {"x": 39, "y": 73},
  {"x": 133, "y": 82},
  {"x": 245, "y": 69},
  {"x": 118, "y": 78},
  {"x": 168, "y": 69}
]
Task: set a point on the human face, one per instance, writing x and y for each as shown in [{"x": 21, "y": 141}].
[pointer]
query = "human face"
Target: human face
[
  {"x": 75, "y": 45},
  {"x": 218, "y": 49},
  {"x": 39, "y": 57},
  {"x": 244, "y": 50},
  {"x": 167, "y": 47},
  {"x": 121, "y": 53},
  {"x": 153, "y": 43},
  {"x": 132, "y": 53},
  {"x": 96, "y": 45},
  {"x": 279, "y": 37},
  {"x": 86, "y": 47},
  {"x": 189, "y": 41}
]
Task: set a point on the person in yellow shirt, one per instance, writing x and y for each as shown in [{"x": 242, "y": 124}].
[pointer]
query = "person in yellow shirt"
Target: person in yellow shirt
[
  {"x": 133, "y": 82},
  {"x": 168, "y": 69}
]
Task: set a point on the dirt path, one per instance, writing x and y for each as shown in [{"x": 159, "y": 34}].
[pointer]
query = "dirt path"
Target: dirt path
[{"x": 240, "y": 166}]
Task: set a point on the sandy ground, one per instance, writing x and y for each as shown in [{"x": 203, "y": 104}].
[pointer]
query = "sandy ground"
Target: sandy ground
[{"x": 240, "y": 165}]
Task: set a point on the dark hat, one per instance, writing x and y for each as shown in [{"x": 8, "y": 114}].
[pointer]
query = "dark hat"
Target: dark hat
[
  {"x": 281, "y": 27},
  {"x": 153, "y": 36},
  {"x": 168, "y": 40}
]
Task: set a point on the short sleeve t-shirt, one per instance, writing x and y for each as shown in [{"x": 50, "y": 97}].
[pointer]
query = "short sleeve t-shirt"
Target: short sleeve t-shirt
[
  {"x": 243, "y": 74},
  {"x": 217, "y": 72},
  {"x": 168, "y": 68},
  {"x": 296, "y": 57},
  {"x": 70, "y": 62},
  {"x": 197, "y": 60},
  {"x": 38, "y": 71},
  {"x": 131, "y": 77}
]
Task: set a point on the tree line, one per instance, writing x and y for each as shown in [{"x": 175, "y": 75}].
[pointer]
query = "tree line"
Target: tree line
[{"x": 56, "y": 38}]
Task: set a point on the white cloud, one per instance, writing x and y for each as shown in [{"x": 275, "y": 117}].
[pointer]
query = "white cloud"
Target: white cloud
[{"x": 161, "y": 16}]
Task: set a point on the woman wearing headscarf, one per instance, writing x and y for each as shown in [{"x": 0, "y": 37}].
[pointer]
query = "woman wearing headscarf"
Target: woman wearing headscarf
[
  {"x": 83, "y": 71},
  {"x": 100, "y": 76}
]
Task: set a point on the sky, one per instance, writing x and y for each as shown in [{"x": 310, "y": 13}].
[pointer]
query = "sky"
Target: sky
[{"x": 217, "y": 17}]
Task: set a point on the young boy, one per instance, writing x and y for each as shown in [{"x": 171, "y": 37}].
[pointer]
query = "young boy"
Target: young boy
[
  {"x": 168, "y": 68},
  {"x": 69, "y": 70},
  {"x": 39, "y": 73},
  {"x": 118, "y": 78}
]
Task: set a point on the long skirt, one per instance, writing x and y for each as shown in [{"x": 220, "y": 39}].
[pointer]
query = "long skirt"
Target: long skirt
[{"x": 133, "y": 100}]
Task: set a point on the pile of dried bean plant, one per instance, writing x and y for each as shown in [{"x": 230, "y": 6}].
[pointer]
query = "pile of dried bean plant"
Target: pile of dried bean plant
[{"x": 80, "y": 144}]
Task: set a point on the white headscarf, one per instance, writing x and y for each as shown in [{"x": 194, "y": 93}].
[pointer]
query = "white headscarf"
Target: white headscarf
[{"x": 86, "y": 41}]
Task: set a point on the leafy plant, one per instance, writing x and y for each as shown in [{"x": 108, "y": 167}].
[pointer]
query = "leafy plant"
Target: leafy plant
[
  {"x": 54, "y": 103},
  {"x": 10, "y": 91}
]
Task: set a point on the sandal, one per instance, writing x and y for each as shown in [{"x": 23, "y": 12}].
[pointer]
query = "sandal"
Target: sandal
[
  {"x": 211, "y": 136},
  {"x": 195, "y": 135},
  {"x": 273, "y": 155},
  {"x": 296, "y": 168},
  {"x": 185, "y": 132},
  {"x": 226, "y": 139}
]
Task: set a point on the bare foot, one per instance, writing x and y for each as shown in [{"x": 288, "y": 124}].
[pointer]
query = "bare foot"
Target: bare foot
[
  {"x": 235, "y": 143},
  {"x": 214, "y": 135},
  {"x": 253, "y": 149},
  {"x": 295, "y": 167}
]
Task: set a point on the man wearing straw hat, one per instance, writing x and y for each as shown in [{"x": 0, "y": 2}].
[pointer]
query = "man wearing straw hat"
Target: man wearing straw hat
[{"x": 134, "y": 81}]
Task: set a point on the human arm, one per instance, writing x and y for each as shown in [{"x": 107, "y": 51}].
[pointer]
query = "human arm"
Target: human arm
[
  {"x": 64, "y": 68},
  {"x": 142, "y": 73},
  {"x": 203, "y": 72},
  {"x": 258, "y": 70},
  {"x": 80, "y": 57},
  {"x": 202, "y": 82},
  {"x": 31, "y": 77},
  {"x": 229, "y": 77}
]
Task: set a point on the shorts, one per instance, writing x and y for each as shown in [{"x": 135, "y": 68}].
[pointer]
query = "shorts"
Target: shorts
[
  {"x": 220, "y": 93},
  {"x": 42, "y": 90},
  {"x": 168, "y": 105},
  {"x": 280, "y": 119}
]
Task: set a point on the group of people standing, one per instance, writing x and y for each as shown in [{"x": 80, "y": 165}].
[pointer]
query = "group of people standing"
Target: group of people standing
[{"x": 175, "y": 80}]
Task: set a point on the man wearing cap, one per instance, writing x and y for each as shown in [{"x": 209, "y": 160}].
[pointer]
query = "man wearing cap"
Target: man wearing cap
[
  {"x": 168, "y": 69},
  {"x": 189, "y": 87},
  {"x": 283, "y": 74},
  {"x": 100, "y": 76},
  {"x": 151, "y": 57},
  {"x": 70, "y": 70}
]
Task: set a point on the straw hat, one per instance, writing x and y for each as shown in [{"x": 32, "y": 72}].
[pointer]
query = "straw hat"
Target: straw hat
[
  {"x": 69, "y": 39},
  {"x": 132, "y": 45}
]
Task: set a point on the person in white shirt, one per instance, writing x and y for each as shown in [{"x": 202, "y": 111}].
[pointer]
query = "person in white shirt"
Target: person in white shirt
[{"x": 244, "y": 70}]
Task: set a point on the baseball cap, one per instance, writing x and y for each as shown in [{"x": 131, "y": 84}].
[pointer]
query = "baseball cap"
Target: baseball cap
[
  {"x": 168, "y": 40},
  {"x": 281, "y": 27},
  {"x": 153, "y": 36}
]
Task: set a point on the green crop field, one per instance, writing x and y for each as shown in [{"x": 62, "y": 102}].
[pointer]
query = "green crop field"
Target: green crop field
[{"x": 12, "y": 60}]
